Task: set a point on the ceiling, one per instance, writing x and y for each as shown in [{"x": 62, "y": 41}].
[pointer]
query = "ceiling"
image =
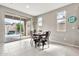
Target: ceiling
[{"x": 34, "y": 9}]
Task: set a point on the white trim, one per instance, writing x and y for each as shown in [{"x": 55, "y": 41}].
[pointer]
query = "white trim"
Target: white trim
[{"x": 53, "y": 41}]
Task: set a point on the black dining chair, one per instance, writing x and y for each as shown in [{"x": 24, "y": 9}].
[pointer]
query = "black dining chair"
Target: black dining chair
[
  {"x": 34, "y": 39},
  {"x": 45, "y": 39}
]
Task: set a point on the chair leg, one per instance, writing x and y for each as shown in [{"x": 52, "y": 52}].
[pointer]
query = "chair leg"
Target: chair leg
[
  {"x": 42, "y": 47},
  {"x": 48, "y": 44},
  {"x": 43, "y": 43},
  {"x": 31, "y": 42},
  {"x": 35, "y": 44}
]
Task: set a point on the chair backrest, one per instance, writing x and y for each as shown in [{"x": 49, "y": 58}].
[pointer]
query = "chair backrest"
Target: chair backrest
[
  {"x": 34, "y": 31},
  {"x": 31, "y": 34},
  {"x": 47, "y": 34}
]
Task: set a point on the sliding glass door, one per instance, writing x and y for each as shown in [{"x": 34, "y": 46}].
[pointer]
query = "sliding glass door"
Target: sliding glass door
[{"x": 15, "y": 28}]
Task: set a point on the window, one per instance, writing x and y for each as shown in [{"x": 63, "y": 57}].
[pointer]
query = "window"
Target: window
[
  {"x": 61, "y": 21},
  {"x": 39, "y": 21}
]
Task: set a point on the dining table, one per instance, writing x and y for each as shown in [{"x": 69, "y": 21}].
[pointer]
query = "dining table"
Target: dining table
[{"x": 39, "y": 36}]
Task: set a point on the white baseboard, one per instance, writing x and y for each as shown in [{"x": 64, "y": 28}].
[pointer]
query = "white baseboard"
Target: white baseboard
[{"x": 67, "y": 44}]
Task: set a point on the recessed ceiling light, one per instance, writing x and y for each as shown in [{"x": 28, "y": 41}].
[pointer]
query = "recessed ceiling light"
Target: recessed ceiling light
[{"x": 27, "y": 6}]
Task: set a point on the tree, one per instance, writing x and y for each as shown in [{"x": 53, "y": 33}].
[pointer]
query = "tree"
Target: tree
[{"x": 19, "y": 27}]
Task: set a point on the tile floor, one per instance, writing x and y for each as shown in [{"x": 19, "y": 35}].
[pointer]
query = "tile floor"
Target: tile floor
[{"x": 23, "y": 48}]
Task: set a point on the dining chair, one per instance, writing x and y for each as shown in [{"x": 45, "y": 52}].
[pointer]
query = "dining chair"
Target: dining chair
[
  {"x": 45, "y": 39},
  {"x": 34, "y": 39}
]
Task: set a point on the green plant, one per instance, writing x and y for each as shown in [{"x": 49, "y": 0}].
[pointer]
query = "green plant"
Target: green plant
[{"x": 19, "y": 27}]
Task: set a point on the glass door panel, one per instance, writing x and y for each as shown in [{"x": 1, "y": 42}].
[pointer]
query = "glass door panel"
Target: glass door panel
[{"x": 12, "y": 30}]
